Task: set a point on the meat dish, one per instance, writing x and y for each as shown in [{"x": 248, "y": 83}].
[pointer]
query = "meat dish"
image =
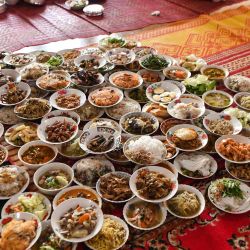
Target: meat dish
[
  {"x": 115, "y": 187},
  {"x": 100, "y": 143},
  {"x": 68, "y": 101},
  {"x": 153, "y": 185},
  {"x": 125, "y": 80},
  {"x": 13, "y": 94},
  {"x": 86, "y": 78},
  {"x": 240, "y": 171},
  {"x": 221, "y": 127}
]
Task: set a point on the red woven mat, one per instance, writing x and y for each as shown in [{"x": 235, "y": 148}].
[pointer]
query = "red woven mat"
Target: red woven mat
[
  {"x": 25, "y": 25},
  {"x": 123, "y": 15}
]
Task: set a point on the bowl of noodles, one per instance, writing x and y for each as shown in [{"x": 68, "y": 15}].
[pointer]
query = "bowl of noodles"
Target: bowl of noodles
[
  {"x": 113, "y": 235},
  {"x": 187, "y": 203}
]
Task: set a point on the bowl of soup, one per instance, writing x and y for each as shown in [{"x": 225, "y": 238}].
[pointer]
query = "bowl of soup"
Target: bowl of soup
[{"x": 214, "y": 72}]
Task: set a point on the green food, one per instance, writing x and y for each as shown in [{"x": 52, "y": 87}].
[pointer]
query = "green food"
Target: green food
[
  {"x": 138, "y": 94},
  {"x": 199, "y": 84},
  {"x": 73, "y": 148},
  {"x": 217, "y": 100},
  {"x": 231, "y": 188},
  {"x": 241, "y": 115},
  {"x": 113, "y": 42},
  {"x": 155, "y": 62},
  {"x": 55, "y": 61}
]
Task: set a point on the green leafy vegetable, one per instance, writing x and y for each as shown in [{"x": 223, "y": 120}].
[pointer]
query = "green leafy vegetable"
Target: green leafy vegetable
[
  {"x": 232, "y": 189},
  {"x": 155, "y": 62}
]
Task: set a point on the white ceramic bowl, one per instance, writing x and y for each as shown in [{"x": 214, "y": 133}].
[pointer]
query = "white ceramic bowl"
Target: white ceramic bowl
[
  {"x": 156, "y": 73},
  {"x": 102, "y": 122},
  {"x": 227, "y": 166},
  {"x": 118, "y": 73},
  {"x": 238, "y": 138},
  {"x": 242, "y": 209},
  {"x": 135, "y": 200},
  {"x": 235, "y": 123},
  {"x": 14, "y": 200},
  {"x": 52, "y": 166},
  {"x": 167, "y": 86},
  {"x": 26, "y": 146},
  {"x": 117, "y": 51},
  {"x": 66, "y": 113},
  {"x": 101, "y": 61},
  {"x": 186, "y": 99},
  {"x": 30, "y": 67},
  {"x": 7, "y": 59},
  {"x": 160, "y": 170},
  {"x": 1, "y": 129},
  {"x": 12, "y": 73},
  {"x": 199, "y": 196},
  {"x": 226, "y": 72},
  {"x": 102, "y": 131},
  {"x": 26, "y": 184},
  {"x": 64, "y": 207},
  {"x": 21, "y": 104},
  {"x": 122, "y": 223},
  {"x": 213, "y": 166},
  {"x": 16, "y": 126},
  {"x": 201, "y": 134},
  {"x": 42, "y": 127},
  {"x": 118, "y": 91},
  {"x": 22, "y": 86},
  {"x": 237, "y": 98},
  {"x": 68, "y": 189},
  {"x": 66, "y": 92},
  {"x": 216, "y": 108},
  {"x": 100, "y": 159},
  {"x": 149, "y": 116},
  {"x": 24, "y": 217},
  {"x": 119, "y": 174},
  {"x": 228, "y": 79},
  {"x": 165, "y": 72},
  {"x": 66, "y": 78},
  {"x": 167, "y": 58}
]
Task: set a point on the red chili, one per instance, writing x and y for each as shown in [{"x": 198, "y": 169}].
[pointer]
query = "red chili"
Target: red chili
[{"x": 6, "y": 220}]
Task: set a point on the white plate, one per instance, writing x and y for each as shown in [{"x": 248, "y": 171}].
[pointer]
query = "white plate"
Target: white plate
[
  {"x": 42, "y": 127},
  {"x": 21, "y": 86},
  {"x": 100, "y": 159},
  {"x": 186, "y": 99},
  {"x": 71, "y": 114},
  {"x": 228, "y": 79},
  {"x": 239, "y": 139},
  {"x": 64, "y": 207},
  {"x": 213, "y": 166},
  {"x": 117, "y": 51},
  {"x": 237, "y": 98},
  {"x": 199, "y": 196},
  {"x": 12, "y": 73},
  {"x": 15, "y": 126},
  {"x": 227, "y": 166},
  {"x": 14, "y": 200},
  {"x": 201, "y": 134},
  {"x": 24, "y": 217},
  {"x": 118, "y": 73},
  {"x": 119, "y": 174},
  {"x": 52, "y": 166},
  {"x": 66, "y": 92},
  {"x": 135, "y": 138},
  {"x": 135, "y": 200},
  {"x": 236, "y": 124},
  {"x": 8, "y": 58},
  {"x": 122, "y": 223},
  {"x": 45, "y": 70},
  {"x": 68, "y": 189},
  {"x": 101, "y": 61},
  {"x": 160, "y": 170},
  {"x": 62, "y": 52},
  {"x": 23, "y": 103},
  {"x": 167, "y": 86},
  {"x": 102, "y": 122},
  {"x": 104, "y": 131},
  {"x": 244, "y": 207},
  {"x": 26, "y": 175},
  {"x": 167, "y": 58},
  {"x": 152, "y": 118},
  {"x": 118, "y": 91},
  {"x": 26, "y": 146}
]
